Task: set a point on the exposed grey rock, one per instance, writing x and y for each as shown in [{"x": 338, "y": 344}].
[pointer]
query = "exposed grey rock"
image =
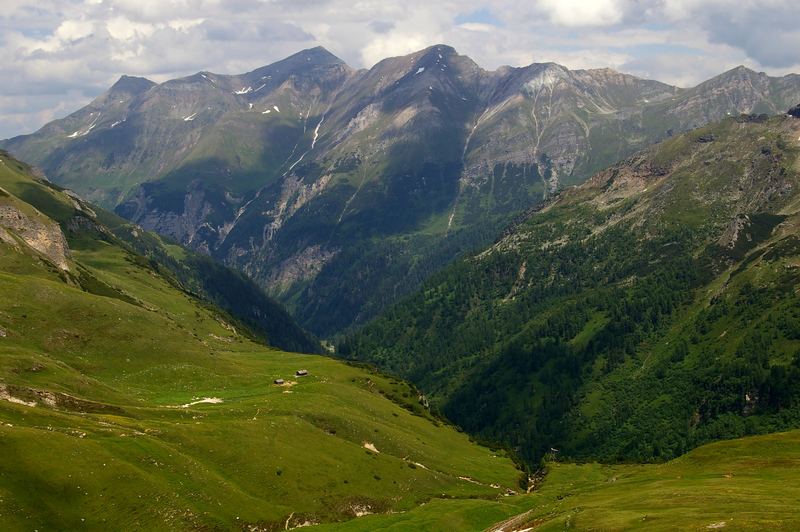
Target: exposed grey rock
[
  {"x": 37, "y": 232},
  {"x": 317, "y": 180}
]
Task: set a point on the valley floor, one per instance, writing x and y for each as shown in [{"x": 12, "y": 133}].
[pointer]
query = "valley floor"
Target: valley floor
[{"x": 744, "y": 484}]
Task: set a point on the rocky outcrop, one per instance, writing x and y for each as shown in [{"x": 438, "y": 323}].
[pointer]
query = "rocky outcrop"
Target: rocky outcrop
[
  {"x": 188, "y": 222},
  {"x": 303, "y": 266},
  {"x": 37, "y": 232},
  {"x": 733, "y": 231}
]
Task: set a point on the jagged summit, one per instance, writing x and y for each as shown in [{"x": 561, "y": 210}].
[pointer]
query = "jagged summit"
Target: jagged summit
[
  {"x": 741, "y": 69},
  {"x": 311, "y": 57},
  {"x": 740, "y": 72},
  {"x": 306, "y": 173},
  {"x": 320, "y": 54},
  {"x": 317, "y": 59},
  {"x": 545, "y": 75},
  {"x": 432, "y": 58},
  {"x": 132, "y": 84},
  {"x": 432, "y": 50},
  {"x": 438, "y": 49}
]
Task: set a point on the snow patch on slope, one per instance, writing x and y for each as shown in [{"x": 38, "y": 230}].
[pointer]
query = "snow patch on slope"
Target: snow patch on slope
[
  {"x": 316, "y": 132},
  {"x": 83, "y": 132}
]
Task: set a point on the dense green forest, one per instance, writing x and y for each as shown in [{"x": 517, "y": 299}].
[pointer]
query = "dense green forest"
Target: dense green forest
[{"x": 633, "y": 318}]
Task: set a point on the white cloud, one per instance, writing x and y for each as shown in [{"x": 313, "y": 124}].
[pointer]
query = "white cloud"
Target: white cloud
[
  {"x": 72, "y": 30},
  {"x": 123, "y": 29},
  {"x": 576, "y": 13},
  {"x": 68, "y": 32},
  {"x": 185, "y": 24},
  {"x": 393, "y": 45},
  {"x": 477, "y": 26}
]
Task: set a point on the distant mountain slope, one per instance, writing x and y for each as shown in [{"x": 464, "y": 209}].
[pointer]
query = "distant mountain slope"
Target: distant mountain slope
[
  {"x": 128, "y": 403},
  {"x": 195, "y": 274},
  {"x": 340, "y": 190},
  {"x": 647, "y": 311},
  {"x": 139, "y": 131}
]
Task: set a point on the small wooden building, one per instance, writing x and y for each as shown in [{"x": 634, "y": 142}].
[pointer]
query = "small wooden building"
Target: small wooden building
[
  {"x": 279, "y": 381},
  {"x": 301, "y": 372}
]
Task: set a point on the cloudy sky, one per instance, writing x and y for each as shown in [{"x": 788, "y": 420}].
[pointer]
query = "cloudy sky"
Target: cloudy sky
[{"x": 56, "y": 55}]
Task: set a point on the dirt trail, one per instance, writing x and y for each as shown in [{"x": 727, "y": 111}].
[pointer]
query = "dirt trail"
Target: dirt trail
[{"x": 513, "y": 524}]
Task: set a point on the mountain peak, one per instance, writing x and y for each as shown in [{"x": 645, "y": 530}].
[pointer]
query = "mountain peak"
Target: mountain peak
[
  {"x": 437, "y": 51},
  {"x": 545, "y": 75},
  {"x": 440, "y": 48},
  {"x": 740, "y": 72},
  {"x": 318, "y": 55},
  {"x": 735, "y": 75},
  {"x": 302, "y": 60},
  {"x": 131, "y": 84}
]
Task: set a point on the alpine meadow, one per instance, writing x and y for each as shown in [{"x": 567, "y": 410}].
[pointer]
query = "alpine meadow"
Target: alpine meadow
[{"x": 304, "y": 265}]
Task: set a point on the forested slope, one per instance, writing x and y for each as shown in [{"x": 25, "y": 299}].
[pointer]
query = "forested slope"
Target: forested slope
[{"x": 634, "y": 317}]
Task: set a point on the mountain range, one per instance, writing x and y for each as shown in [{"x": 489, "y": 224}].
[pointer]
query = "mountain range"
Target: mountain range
[
  {"x": 634, "y": 317},
  {"x": 340, "y": 190},
  {"x": 594, "y": 276},
  {"x": 650, "y": 310}
]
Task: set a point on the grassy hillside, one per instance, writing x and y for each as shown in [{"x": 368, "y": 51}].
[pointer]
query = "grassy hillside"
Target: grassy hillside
[
  {"x": 126, "y": 402},
  {"x": 196, "y": 274},
  {"x": 644, "y": 313},
  {"x": 745, "y": 484}
]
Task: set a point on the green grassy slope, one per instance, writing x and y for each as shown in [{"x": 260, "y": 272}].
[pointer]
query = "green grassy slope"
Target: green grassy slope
[
  {"x": 99, "y": 365},
  {"x": 745, "y": 484},
  {"x": 640, "y": 315},
  {"x": 191, "y": 272}
]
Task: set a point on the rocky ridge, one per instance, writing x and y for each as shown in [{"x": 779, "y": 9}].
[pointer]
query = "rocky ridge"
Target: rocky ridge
[{"x": 321, "y": 181}]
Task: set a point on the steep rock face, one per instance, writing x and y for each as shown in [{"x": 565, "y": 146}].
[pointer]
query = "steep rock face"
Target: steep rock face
[
  {"x": 547, "y": 116},
  {"x": 188, "y": 224},
  {"x": 319, "y": 181},
  {"x": 35, "y": 231}
]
